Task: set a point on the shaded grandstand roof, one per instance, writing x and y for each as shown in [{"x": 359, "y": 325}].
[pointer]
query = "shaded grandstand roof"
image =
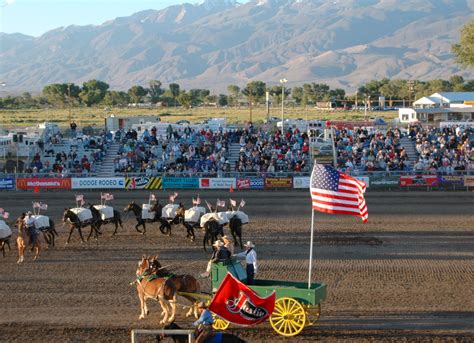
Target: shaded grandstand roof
[{"x": 454, "y": 96}]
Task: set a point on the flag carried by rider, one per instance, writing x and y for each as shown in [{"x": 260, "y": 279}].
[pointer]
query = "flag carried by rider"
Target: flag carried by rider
[
  {"x": 237, "y": 303},
  {"x": 233, "y": 203},
  {"x": 152, "y": 197},
  {"x": 43, "y": 206},
  {"x": 220, "y": 203},
  {"x": 107, "y": 197},
  {"x": 79, "y": 197},
  {"x": 173, "y": 197},
  {"x": 242, "y": 203},
  {"x": 36, "y": 205}
]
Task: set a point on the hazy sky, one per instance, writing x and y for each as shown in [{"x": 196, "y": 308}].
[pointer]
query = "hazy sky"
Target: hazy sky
[{"x": 35, "y": 17}]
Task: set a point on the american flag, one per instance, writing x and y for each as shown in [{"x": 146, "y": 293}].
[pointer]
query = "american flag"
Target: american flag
[
  {"x": 233, "y": 202},
  {"x": 36, "y": 205},
  {"x": 79, "y": 197},
  {"x": 220, "y": 203},
  {"x": 152, "y": 197},
  {"x": 337, "y": 193},
  {"x": 173, "y": 197},
  {"x": 107, "y": 196},
  {"x": 43, "y": 206},
  {"x": 242, "y": 203}
]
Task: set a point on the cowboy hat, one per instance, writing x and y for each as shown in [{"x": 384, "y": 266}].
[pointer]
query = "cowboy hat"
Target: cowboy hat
[
  {"x": 202, "y": 304},
  {"x": 249, "y": 244},
  {"x": 218, "y": 244}
]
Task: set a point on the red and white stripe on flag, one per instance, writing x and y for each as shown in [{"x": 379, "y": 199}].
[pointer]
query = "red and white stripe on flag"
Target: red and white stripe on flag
[{"x": 337, "y": 193}]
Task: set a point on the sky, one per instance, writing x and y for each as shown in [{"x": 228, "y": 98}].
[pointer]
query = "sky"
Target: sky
[{"x": 35, "y": 17}]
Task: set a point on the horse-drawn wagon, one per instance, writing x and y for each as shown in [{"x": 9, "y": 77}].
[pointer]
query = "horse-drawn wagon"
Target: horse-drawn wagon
[{"x": 296, "y": 305}]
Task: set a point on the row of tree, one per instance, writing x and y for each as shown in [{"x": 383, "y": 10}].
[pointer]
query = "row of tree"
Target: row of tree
[{"x": 96, "y": 92}]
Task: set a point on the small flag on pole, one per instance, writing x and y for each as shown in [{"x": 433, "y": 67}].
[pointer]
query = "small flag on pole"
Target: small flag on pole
[
  {"x": 43, "y": 206},
  {"x": 152, "y": 197},
  {"x": 107, "y": 196},
  {"x": 6, "y": 215},
  {"x": 173, "y": 197},
  {"x": 233, "y": 203},
  {"x": 337, "y": 193},
  {"x": 197, "y": 201},
  {"x": 220, "y": 203},
  {"x": 242, "y": 203},
  {"x": 79, "y": 197},
  {"x": 36, "y": 205}
]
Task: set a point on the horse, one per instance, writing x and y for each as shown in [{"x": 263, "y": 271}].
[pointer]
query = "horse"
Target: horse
[
  {"x": 3, "y": 242},
  {"x": 152, "y": 287},
  {"x": 212, "y": 229},
  {"x": 165, "y": 227},
  {"x": 184, "y": 283},
  {"x": 20, "y": 241},
  {"x": 180, "y": 218},
  {"x": 49, "y": 233},
  {"x": 213, "y": 337},
  {"x": 75, "y": 223},
  {"x": 116, "y": 219},
  {"x": 235, "y": 226}
]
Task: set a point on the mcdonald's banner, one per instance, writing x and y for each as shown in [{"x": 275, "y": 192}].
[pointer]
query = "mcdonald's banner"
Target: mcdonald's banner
[
  {"x": 419, "y": 180},
  {"x": 144, "y": 182},
  {"x": 45, "y": 183}
]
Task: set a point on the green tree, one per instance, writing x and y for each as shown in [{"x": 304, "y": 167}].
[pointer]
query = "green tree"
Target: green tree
[
  {"x": 254, "y": 91},
  {"x": 234, "y": 92},
  {"x": 116, "y": 98},
  {"x": 174, "y": 89},
  {"x": 93, "y": 92},
  {"x": 155, "y": 91},
  {"x": 185, "y": 99},
  {"x": 56, "y": 93},
  {"x": 297, "y": 94},
  {"x": 464, "y": 50},
  {"x": 137, "y": 93},
  {"x": 223, "y": 100}
]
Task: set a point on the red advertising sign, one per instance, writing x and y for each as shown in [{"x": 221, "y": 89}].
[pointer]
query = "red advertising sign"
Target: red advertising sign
[
  {"x": 45, "y": 183},
  {"x": 420, "y": 180},
  {"x": 278, "y": 182},
  {"x": 237, "y": 303},
  {"x": 243, "y": 183}
]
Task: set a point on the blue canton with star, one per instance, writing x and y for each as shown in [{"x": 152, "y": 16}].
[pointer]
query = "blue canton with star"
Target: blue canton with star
[{"x": 325, "y": 177}]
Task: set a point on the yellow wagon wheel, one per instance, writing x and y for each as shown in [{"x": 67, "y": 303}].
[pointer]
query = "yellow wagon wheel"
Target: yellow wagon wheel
[
  {"x": 313, "y": 312},
  {"x": 219, "y": 323},
  {"x": 288, "y": 317}
]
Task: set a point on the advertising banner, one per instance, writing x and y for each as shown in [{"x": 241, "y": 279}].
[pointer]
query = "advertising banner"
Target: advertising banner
[
  {"x": 384, "y": 181},
  {"x": 217, "y": 183},
  {"x": 45, "y": 183},
  {"x": 301, "y": 182},
  {"x": 243, "y": 183},
  {"x": 251, "y": 182},
  {"x": 98, "y": 183},
  {"x": 8, "y": 183},
  {"x": 143, "y": 182},
  {"x": 364, "y": 179},
  {"x": 180, "y": 183},
  {"x": 469, "y": 181},
  {"x": 278, "y": 182},
  {"x": 419, "y": 180},
  {"x": 450, "y": 179}
]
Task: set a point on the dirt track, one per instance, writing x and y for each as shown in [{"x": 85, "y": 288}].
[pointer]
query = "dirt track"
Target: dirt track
[{"x": 406, "y": 275}]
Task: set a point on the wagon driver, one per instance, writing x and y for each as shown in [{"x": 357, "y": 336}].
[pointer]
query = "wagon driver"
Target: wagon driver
[
  {"x": 204, "y": 323},
  {"x": 251, "y": 259}
]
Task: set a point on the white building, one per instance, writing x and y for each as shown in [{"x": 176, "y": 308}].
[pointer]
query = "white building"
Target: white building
[{"x": 444, "y": 106}]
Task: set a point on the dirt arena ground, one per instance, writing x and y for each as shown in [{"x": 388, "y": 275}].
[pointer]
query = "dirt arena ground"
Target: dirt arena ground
[{"x": 407, "y": 275}]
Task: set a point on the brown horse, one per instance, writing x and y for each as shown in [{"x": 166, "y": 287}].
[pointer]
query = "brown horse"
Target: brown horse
[
  {"x": 5, "y": 241},
  {"x": 152, "y": 287},
  {"x": 184, "y": 283},
  {"x": 21, "y": 239}
]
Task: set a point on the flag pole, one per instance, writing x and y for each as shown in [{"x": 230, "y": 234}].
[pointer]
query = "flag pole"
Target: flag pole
[{"x": 311, "y": 248}]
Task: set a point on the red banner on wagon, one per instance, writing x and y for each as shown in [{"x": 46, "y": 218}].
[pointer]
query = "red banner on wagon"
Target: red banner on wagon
[{"x": 239, "y": 304}]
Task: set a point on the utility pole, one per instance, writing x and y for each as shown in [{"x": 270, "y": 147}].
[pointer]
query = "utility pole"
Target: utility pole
[
  {"x": 411, "y": 84},
  {"x": 282, "y": 81},
  {"x": 69, "y": 96}
]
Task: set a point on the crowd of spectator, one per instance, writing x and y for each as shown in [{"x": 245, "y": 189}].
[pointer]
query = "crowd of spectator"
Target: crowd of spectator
[
  {"x": 180, "y": 152},
  {"x": 442, "y": 150},
  {"x": 365, "y": 149},
  {"x": 60, "y": 156}
]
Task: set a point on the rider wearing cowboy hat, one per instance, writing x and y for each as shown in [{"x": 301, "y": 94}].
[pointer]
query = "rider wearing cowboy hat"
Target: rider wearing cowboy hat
[
  {"x": 204, "y": 323},
  {"x": 220, "y": 253},
  {"x": 251, "y": 259},
  {"x": 228, "y": 244}
]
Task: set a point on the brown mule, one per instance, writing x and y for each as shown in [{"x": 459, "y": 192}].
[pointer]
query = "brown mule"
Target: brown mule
[
  {"x": 21, "y": 241},
  {"x": 184, "y": 283},
  {"x": 152, "y": 287}
]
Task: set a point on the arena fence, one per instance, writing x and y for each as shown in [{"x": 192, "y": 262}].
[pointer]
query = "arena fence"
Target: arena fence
[{"x": 134, "y": 333}]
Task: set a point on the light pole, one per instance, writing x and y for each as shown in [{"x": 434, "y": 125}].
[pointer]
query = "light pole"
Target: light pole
[
  {"x": 282, "y": 81},
  {"x": 367, "y": 100}
]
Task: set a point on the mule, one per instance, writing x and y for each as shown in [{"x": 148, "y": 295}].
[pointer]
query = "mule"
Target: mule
[
  {"x": 21, "y": 241},
  {"x": 116, "y": 219},
  {"x": 157, "y": 288},
  {"x": 213, "y": 337},
  {"x": 49, "y": 233},
  {"x": 75, "y": 223},
  {"x": 184, "y": 283},
  {"x": 5, "y": 241},
  {"x": 235, "y": 226},
  {"x": 165, "y": 227},
  {"x": 212, "y": 230}
]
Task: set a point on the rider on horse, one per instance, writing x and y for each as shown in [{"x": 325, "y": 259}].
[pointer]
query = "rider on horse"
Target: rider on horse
[{"x": 30, "y": 228}]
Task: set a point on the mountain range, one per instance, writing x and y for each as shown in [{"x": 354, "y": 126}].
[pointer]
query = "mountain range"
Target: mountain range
[{"x": 344, "y": 43}]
